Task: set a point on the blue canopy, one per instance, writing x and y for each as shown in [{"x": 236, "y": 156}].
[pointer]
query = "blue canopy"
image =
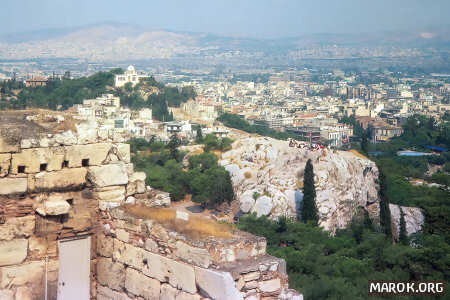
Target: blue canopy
[{"x": 435, "y": 148}]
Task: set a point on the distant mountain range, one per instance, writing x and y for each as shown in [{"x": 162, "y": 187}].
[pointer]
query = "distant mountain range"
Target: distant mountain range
[{"x": 119, "y": 42}]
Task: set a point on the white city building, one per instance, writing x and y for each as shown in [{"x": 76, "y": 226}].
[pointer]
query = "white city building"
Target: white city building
[{"x": 130, "y": 75}]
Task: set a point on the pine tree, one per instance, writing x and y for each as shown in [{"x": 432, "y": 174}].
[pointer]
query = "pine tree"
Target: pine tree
[
  {"x": 403, "y": 237},
  {"x": 308, "y": 206},
  {"x": 385, "y": 213}
]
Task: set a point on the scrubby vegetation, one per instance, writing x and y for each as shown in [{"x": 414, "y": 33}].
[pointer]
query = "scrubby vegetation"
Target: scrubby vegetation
[
  {"x": 207, "y": 182},
  {"x": 324, "y": 267}
]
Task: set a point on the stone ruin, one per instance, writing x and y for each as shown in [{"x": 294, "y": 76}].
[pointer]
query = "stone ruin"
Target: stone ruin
[{"x": 65, "y": 182}]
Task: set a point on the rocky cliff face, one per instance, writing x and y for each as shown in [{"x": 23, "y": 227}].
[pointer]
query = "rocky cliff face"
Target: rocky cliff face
[
  {"x": 267, "y": 177},
  {"x": 414, "y": 219}
]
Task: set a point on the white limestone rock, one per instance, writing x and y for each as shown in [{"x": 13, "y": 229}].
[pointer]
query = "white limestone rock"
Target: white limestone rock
[
  {"x": 343, "y": 180},
  {"x": 414, "y": 219}
]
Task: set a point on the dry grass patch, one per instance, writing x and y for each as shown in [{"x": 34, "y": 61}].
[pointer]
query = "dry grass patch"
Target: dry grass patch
[
  {"x": 196, "y": 227},
  {"x": 357, "y": 154},
  {"x": 248, "y": 175}
]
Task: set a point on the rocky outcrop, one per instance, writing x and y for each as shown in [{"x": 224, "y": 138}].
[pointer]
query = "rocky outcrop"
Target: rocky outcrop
[
  {"x": 267, "y": 177},
  {"x": 414, "y": 219}
]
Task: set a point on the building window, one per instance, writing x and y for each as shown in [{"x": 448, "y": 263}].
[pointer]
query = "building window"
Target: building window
[
  {"x": 43, "y": 167},
  {"x": 85, "y": 162},
  {"x": 21, "y": 169}
]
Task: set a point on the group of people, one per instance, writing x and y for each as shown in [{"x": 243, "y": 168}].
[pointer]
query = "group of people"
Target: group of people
[{"x": 304, "y": 145}]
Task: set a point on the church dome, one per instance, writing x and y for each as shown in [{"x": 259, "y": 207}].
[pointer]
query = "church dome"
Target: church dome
[{"x": 130, "y": 68}]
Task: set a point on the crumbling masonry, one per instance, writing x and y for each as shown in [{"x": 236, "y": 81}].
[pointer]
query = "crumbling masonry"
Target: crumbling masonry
[{"x": 59, "y": 183}]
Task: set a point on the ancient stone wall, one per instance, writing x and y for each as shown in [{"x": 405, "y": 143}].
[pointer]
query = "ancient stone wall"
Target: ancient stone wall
[
  {"x": 140, "y": 258},
  {"x": 53, "y": 186},
  {"x": 61, "y": 184}
]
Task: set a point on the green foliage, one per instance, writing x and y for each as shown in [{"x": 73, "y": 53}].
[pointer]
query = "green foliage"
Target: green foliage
[
  {"x": 357, "y": 129},
  {"x": 209, "y": 183},
  {"x": 233, "y": 121},
  {"x": 364, "y": 144},
  {"x": 324, "y": 267},
  {"x": 308, "y": 206},
  {"x": 385, "y": 213},
  {"x": 64, "y": 93},
  {"x": 139, "y": 144},
  {"x": 199, "y": 136},
  {"x": 212, "y": 142},
  {"x": 173, "y": 145}
]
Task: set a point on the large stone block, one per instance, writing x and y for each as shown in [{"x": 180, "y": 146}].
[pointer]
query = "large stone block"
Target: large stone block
[
  {"x": 269, "y": 286},
  {"x": 24, "y": 293},
  {"x": 124, "y": 152},
  {"x": 5, "y": 161},
  {"x": 104, "y": 293},
  {"x": 128, "y": 254},
  {"x": 19, "y": 275},
  {"x": 94, "y": 153},
  {"x": 63, "y": 179},
  {"x": 179, "y": 275},
  {"x": 216, "y": 285},
  {"x": 197, "y": 256},
  {"x": 10, "y": 186},
  {"x": 66, "y": 138},
  {"x": 141, "y": 285},
  {"x": 105, "y": 245},
  {"x": 110, "y": 274},
  {"x": 17, "y": 227},
  {"x": 108, "y": 175},
  {"x": 7, "y": 294},
  {"x": 9, "y": 146},
  {"x": 53, "y": 208},
  {"x": 13, "y": 252},
  {"x": 168, "y": 292},
  {"x": 34, "y": 160},
  {"x": 110, "y": 194}
]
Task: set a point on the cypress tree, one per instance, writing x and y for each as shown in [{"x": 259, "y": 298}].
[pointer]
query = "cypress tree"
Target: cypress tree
[
  {"x": 364, "y": 144},
  {"x": 403, "y": 237},
  {"x": 385, "y": 213},
  {"x": 308, "y": 207},
  {"x": 199, "y": 137}
]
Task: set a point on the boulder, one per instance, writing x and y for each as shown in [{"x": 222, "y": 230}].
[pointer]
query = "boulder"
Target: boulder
[
  {"x": 108, "y": 175},
  {"x": 263, "y": 206},
  {"x": 53, "y": 208}
]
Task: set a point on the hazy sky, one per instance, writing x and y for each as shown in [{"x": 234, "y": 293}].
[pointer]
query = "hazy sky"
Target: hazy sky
[{"x": 260, "y": 18}]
